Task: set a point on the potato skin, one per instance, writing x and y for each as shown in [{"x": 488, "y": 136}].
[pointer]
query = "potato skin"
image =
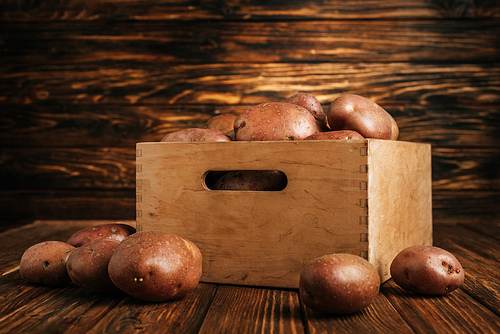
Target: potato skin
[
  {"x": 427, "y": 270},
  {"x": 311, "y": 103},
  {"x": 335, "y": 135},
  {"x": 222, "y": 122},
  {"x": 275, "y": 121},
  {"x": 338, "y": 284},
  {"x": 195, "y": 135},
  {"x": 252, "y": 180},
  {"x": 156, "y": 266},
  {"x": 354, "y": 112},
  {"x": 88, "y": 265},
  {"x": 114, "y": 231},
  {"x": 45, "y": 263}
]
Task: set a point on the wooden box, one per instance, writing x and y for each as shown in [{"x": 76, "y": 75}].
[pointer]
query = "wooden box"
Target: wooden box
[{"x": 367, "y": 197}]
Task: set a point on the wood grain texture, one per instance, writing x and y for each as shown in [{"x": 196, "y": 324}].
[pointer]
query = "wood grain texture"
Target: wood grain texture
[
  {"x": 442, "y": 314},
  {"x": 117, "y": 125},
  {"x": 179, "y": 316},
  {"x": 253, "y": 310},
  {"x": 27, "y": 308},
  {"x": 68, "y": 204},
  {"x": 241, "y": 41},
  {"x": 243, "y": 10},
  {"x": 239, "y": 83}
]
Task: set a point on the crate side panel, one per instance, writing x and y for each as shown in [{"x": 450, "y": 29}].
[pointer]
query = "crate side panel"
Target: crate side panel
[
  {"x": 400, "y": 200},
  {"x": 257, "y": 238}
]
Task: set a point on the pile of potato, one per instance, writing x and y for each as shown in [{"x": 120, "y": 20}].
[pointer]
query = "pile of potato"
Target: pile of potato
[
  {"x": 300, "y": 117},
  {"x": 152, "y": 266}
]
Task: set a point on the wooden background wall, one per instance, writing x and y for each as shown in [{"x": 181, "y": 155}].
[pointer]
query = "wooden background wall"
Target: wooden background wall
[{"x": 82, "y": 81}]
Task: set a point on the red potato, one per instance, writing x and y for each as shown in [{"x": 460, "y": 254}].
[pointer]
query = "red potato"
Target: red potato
[
  {"x": 275, "y": 121},
  {"x": 311, "y": 103},
  {"x": 88, "y": 265},
  {"x": 354, "y": 112},
  {"x": 427, "y": 270},
  {"x": 335, "y": 135},
  {"x": 195, "y": 135},
  {"x": 338, "y": 284},
  {"x": 116, "y": 231},
  {"x": 156, "y": 266},
  {"x": 252, "y": 180},
  {"x": 222, "y": 122},
  {"x": 45, "y": 263}
]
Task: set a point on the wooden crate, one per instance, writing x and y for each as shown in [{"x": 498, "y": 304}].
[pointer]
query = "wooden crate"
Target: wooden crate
[{"x": 367, "y": 197}]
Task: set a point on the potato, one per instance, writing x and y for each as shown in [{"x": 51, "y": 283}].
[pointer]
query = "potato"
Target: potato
[
  {"x": 338, "y": 284},
  {"x": 222, "y": 122},
  {"x": 88, "y": 265},
  {"x": 116, "y": 231},
  {"x": 275, "y": 121},
  {"x": 354, "y": 112},
  {"x": 335, "y": 135},
  {"x": 45, "y": 263},
  {"x": 195, "y": 134},
  {"x": 427, "y": 270},
  {"x": 311, "y": 103},
  {"x": 256, "y": 180},
  {"x": 156, "y": 266}
]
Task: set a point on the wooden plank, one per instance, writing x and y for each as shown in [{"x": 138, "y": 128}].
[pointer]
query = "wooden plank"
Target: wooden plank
[
  {"x": 119, "y": 125},
  {"x": 380, "y": 317},
  {"x": 180, "y": 316},
  {"x": 466, "y": 169},
  {"x": 479, "y": 270},
  {"x": 78, "y": 311},
  {"x": 68, "y": 168},
  {"x": 456, "y": 312},
  {"x": 253, "y": 310},
  {"x": 236, "y": 41},
  {"x": 68, "y": 204},
  {"x": 466, "y": 207},
  {"x": 256, "y": 10},
  {"x": 247, "y": 83}
]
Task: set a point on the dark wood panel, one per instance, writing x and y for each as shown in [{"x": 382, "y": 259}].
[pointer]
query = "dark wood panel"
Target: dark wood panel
[
  {"x": 65, "y": 125},
  {"x": 114, "y": 168},
  {"x": 247, "y": 83},
  {"x": 466, "y": 207},
  {"x": 68, "y": 204},
  {"x": 71, "y": 168},
  {"x": 25, "y": 10},
  {"x": 236, "y": 41}
]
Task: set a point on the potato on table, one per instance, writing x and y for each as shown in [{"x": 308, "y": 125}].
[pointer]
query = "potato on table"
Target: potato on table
[
  {"x": 88, "y": 265},
  {"x": 155, "y": 266},
  {"x": 45, "y": 263},
  {"x": 115, "y": 231},
  {"x": 427, "y": 270},
  {"x": 338, "y": 284}
]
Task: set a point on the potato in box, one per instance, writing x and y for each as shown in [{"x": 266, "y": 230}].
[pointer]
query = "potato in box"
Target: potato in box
[{"x": 369, "y": 197}]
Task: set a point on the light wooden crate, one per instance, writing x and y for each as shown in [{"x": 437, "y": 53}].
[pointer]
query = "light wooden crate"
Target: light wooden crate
[{"x": 369, "y": 197}]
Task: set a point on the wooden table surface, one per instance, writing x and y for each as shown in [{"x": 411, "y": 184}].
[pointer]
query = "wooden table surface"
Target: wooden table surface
[{"x": 213, "y": 308}]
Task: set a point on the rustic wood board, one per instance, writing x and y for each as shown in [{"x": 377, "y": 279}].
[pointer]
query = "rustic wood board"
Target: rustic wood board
[{"x": 28, "y": 308}]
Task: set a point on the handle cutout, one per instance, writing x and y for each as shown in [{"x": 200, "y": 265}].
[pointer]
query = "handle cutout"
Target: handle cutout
[{"x": 245, "y": 180}]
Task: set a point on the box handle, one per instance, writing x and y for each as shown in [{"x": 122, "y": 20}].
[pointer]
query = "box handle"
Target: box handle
[{"x": 245, "y": 180}]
